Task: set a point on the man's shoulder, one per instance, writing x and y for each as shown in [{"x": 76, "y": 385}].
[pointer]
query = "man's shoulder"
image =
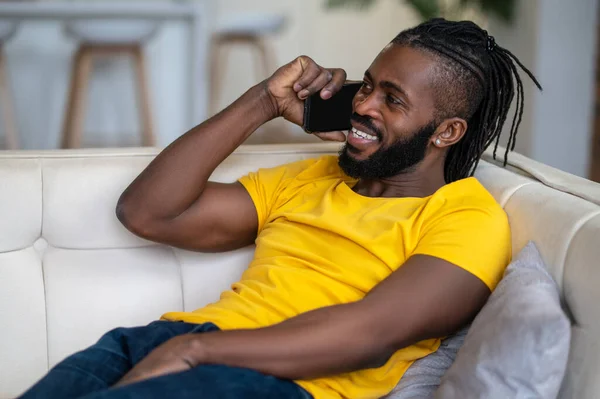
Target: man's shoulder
[
  {"x": 466, "y": 198},
  {"x": 467, "y": 192}
]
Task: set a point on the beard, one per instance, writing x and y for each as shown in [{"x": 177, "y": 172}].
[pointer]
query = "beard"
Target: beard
[{"x": 398, "y": 158}]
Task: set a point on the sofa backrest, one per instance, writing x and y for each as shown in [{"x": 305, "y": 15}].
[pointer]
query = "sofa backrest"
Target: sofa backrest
[{"x": 70, "y": 272}]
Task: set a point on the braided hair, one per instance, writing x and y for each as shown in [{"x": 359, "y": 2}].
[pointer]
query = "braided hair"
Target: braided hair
[{"x": 477, "y": 79}]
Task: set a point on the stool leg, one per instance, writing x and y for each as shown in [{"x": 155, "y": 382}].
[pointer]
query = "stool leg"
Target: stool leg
[
  {"x": 148, "y": 137},
  {"x": 265, "y": 57},
  {"x": 214, "y": 84},
  {"x": 280, "y": 132},
  {"x": 69, "y": 102},
  {"x": 8, "y": 111},
  {"x": 75, "y": 112}
]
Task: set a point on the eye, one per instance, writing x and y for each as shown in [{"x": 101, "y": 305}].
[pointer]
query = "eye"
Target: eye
[
  {"x": 366, "y": 86},
  {"x": 393, "y": 100}
]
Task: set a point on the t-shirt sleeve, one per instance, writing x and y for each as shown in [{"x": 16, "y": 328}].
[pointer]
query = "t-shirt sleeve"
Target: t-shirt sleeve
[
  {"x": 265, "y": 185},
  {"x": 475, "y": 238}
]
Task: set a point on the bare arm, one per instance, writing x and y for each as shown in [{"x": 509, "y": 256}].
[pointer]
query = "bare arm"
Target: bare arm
[
  {"x": 173, "y": 202},
  {"x": 426, "y": 298}
]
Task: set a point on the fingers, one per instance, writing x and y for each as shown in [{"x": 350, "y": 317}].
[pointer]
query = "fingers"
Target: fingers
[
  {"x": 315, "y": 78},
  {"x": 310, "y": 72},
  {"x": 317, "y": 84},
  {"x": 338, "y": 78},
  {"x": 332, "y": 136}
]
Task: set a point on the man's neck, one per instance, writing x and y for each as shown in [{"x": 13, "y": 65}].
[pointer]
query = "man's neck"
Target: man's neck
[{"x": 417, "y": 183}]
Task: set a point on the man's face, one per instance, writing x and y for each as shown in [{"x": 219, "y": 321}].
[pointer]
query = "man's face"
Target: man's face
[{"x": 394, "y": 114}]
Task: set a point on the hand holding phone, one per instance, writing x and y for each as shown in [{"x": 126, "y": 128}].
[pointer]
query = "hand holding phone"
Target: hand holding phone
[{"x": 291, "y": 84}]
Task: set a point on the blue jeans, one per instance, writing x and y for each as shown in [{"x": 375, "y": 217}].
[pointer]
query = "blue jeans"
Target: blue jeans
[{"x": 90, "y": 373}]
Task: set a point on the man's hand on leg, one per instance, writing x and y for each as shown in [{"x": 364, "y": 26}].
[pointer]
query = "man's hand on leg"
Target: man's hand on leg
[{"x": 177, "y": 354}]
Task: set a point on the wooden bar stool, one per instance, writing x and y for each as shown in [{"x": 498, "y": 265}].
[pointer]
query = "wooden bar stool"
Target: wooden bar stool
[
  {"x": 243, "y": 29},
  {"x": 7, "y": 30},
  {"x": 102, "y": 39}
]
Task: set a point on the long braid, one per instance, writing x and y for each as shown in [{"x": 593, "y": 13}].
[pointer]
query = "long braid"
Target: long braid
[{"x": 488, "y": 79}]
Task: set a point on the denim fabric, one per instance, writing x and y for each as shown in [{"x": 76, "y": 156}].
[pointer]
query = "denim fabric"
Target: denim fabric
[{"x": 90, "y": 373}]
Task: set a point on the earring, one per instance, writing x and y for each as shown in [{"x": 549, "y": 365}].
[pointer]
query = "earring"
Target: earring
[{"x": 438, "y": 142}]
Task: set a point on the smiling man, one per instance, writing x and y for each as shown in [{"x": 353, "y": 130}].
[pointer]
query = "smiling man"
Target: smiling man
[{"x": 362, "y": 261}]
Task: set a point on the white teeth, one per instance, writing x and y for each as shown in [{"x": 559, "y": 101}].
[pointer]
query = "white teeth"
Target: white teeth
[{"x": 362, "y": 135}]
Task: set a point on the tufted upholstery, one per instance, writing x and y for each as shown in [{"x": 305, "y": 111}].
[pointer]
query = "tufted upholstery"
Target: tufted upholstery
[{"x": 69, "y": 271}]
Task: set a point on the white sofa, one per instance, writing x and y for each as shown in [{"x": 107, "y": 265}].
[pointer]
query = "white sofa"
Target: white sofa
[{"x": 69, "y": 271}]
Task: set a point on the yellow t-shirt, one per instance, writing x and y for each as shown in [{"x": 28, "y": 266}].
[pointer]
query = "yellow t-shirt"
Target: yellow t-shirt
[{"x": 319, "y": 244}]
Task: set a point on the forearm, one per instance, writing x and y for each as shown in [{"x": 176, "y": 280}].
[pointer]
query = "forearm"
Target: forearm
[
  {"x": 326, "y": 341},
  {"x": 178, "y": 175}
]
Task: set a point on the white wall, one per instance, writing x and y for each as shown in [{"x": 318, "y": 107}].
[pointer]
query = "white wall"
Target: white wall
[
  {"x": 557, "y": 40},
  {"x": 566, "y": 63}
]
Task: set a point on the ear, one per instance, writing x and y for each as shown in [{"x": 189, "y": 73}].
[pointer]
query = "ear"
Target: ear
[{"x": 449, "y": 132}]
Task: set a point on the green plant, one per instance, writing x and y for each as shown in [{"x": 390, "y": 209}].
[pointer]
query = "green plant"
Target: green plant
[{"x": 503, "y": 9}]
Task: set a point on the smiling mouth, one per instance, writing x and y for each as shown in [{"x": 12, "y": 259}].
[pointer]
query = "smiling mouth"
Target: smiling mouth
[{"x": 362, "y": 135}]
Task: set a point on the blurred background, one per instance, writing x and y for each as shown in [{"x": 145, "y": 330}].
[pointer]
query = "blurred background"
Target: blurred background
[{"x": 127, "y": 73}]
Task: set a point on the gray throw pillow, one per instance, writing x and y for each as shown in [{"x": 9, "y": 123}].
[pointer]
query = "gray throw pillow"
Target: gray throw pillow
[
  {"x": 493, "y": 339},
  {"x": 423, "y": 377},
  {"x": 518, "y": 345}
]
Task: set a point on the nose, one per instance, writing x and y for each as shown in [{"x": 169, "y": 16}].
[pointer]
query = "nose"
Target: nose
[{"x": 367, "y": 105}]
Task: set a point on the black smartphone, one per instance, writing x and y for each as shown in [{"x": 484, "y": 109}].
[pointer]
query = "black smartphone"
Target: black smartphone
[{"x": 332, "y": 114}]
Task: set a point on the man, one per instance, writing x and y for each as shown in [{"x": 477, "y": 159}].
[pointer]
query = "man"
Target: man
[{"x": 362, "y": 263}]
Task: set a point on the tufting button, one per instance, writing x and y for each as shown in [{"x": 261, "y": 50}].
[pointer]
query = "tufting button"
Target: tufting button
[{"x": 40, "y": 245}]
